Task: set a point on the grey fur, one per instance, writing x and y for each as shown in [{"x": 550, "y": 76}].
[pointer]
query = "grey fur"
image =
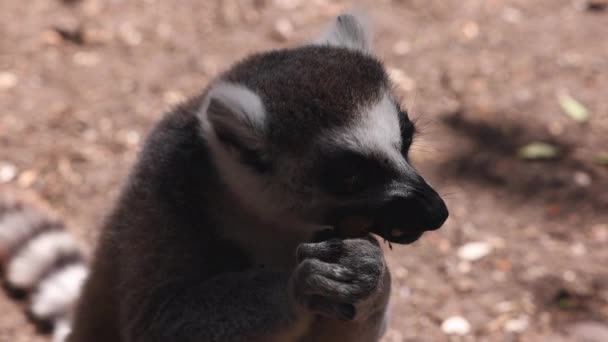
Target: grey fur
[{"x": 349, "y": 31}]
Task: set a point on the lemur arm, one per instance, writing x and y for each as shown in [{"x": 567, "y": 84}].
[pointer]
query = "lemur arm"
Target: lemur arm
[{"x": 241, "y": 306}]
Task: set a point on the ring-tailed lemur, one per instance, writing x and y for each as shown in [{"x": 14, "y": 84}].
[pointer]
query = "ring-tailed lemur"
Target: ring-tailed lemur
[{"x": 221, "y": 232}]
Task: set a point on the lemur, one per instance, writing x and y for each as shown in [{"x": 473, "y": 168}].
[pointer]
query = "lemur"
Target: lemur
[{"x": 250, "y": 213}]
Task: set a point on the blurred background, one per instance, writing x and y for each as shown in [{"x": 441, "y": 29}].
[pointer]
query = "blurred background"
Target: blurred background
[{"x": 510, "y": 97}]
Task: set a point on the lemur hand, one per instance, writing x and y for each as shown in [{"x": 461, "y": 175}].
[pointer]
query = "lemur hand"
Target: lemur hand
[{"x": 345, "y": 279}]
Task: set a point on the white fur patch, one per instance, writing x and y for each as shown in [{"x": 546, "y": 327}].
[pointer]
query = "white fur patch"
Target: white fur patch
[
  {"x": 62, "y": 330},
  {"x": 58, "y": 292},
  {"x": 16, "y": 225},
  {"x": 377, "y": 131},
  {"x": 36, "y": 256},
  {"x": 245, "y": 106}
]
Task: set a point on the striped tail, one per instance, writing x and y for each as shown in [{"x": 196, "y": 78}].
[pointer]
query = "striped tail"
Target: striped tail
[{"x": 42, "y": 261}]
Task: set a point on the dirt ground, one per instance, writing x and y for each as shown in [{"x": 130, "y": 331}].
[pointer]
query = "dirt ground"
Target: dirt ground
[{"x": 524, "y": 254}]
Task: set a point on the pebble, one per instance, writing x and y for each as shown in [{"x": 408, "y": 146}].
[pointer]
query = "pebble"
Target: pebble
[
  {"x": 402, "y": 48},
  {"x": 505, "y": 307},
  {"x": 402, "y": 80},
  {"x": 511, "y": 15},
  {"x": 578, "y": 249},
  {"x": 470, "y": 30},
  {"x": 473, "y": 251},
  {"x": 517, "y": 325},
  {"x": 131, "y": 137},
  {"x": 569, "y": 276},
  {"x": 283, "y": 29},
  {"x": 456, "y": 325},
  {"x": 400, "y": 272},
  {"x": 84, "y": 58},
  {"x": 173, "y": 97},
  {"x": 8, "y": 172},
  {"x": 392, "y": 335},
  {"x": 599, "y": 233},
  {"x": 8, "y": 80},
  {"x": 288, "y": 4},
  {"x": 130, "y": 35},
  {"x": 27, "y": 178},
  {"x": 230, "y": 12},
  {"x": 581, "y": 178},
  {"x": 405, "y": 292}
]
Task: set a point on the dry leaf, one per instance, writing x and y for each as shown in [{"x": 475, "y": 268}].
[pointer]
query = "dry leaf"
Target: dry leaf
[
  {"x": 538, "y": 150},
  {"x": 573, "y": 108}
]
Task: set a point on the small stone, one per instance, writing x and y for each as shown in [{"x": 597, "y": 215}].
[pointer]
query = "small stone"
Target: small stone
[
  {"x": 392, "y": 335},
  {"x": 473, "y": 251},
  {"x": 599, "y": 233},
  {"x": 499, "y": 276},
  {"x": 130, "y": 35},
  {"x": 456, "y": 325},
  {"x": 230, "y": 12},
  {"x": 505, "y": 307},
  {"x": 96, "y": 36},
  {"x": 84, "y": 58},
  {"x": 27, "y": 178},
  {"x": 402, "y": 48},
  {"x": 578, "y": 249},
  {"x": 131, "y": 137},
  {"x": 283, "y": 29},
  {"x": 517, "y": 325},
  {"x": 444, "y": 245},
  {"x": 210, "y": 66},
  {"x": 465, "y": 285},
  {"x": 8, "y": 172},
  {"x": 511, "y": 15},
  {"x": 287, "y": 4},
  {"x": 400, "y": 272},
  {"x": 173, "y": 97},
  {"x": 51, "y": 37},
  {"x": 470, "y": 30},
  {"x": 581, "y": 178},
  {"x": 402, "y": 80},
  {"x": 92, "y": 7},
  {"x": 569, "y": 276},
  {"x": 404, "y": 292},
  {"x": 8, "y": 80}
]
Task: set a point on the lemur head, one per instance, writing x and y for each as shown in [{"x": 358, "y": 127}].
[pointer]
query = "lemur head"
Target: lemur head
[{"x": 313, "y": 134}]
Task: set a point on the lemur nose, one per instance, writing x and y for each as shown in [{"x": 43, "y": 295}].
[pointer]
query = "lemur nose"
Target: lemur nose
[
  {"x": 438, "y": 213},
  {"x": 418, "y": 210}
]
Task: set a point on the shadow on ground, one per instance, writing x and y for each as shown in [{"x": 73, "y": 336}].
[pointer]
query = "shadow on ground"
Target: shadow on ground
[{"x": 490, "y": 159}]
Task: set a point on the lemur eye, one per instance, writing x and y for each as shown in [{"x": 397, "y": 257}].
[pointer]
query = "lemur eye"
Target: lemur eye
[
  {"x": 347, "y": 173},
  {"x": 407, "y": 132}
]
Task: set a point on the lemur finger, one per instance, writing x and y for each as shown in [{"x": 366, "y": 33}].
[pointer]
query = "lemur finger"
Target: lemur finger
[
  {"x": 338, "y": 291},
  {"x": 325, "y": 306},
  {"x": 328, "y": 250},
  {"x": 311, "y": 267},
  {"x": 315, "y": 280}
]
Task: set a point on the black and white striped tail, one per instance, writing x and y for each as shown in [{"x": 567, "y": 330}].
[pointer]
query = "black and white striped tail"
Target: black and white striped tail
[{"x": 40, "y": 259}]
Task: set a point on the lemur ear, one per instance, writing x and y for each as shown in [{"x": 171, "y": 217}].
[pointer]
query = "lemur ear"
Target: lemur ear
[
  {"x": 235, "y": 114},
  {"x": 350, "y": 31}
]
